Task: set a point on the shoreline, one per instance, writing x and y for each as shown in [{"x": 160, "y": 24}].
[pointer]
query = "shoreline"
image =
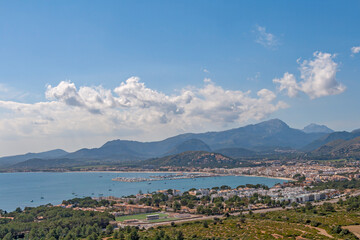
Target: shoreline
[
  {"x": 99, "y": 171},
  {"x": 264, "y": 176}
]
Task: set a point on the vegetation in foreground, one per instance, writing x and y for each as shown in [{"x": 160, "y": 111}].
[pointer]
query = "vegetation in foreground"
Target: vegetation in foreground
[{"x": 308, "y": 222}]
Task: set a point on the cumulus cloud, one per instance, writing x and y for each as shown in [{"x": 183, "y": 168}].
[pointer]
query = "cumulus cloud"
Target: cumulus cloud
[
  {"x": 318, "y": 78},
  {"x": 355, "y": 50},
  {"x": 92, "y": 99},
  {"x": 132, "y": 110},
  {"x": 265, "y": 38}
]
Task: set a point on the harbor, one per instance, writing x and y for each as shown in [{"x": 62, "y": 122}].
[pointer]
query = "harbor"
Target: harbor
[{"x": 165, "y": 177}]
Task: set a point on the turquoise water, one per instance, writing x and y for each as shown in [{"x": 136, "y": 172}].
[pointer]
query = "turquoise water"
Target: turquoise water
[{"x": 34, "y": 189}]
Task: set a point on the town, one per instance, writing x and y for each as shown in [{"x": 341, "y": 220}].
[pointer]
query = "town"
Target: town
[
  {"x": 305, "y": 186},
  {"x": 311, "y": 170}
]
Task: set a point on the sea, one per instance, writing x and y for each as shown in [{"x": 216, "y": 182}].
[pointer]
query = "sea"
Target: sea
[{"x": 32, "y": 189}]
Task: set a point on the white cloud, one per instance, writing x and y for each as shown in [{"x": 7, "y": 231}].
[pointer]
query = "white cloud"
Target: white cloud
[
  {"x": 266, "y": 39},
  {"x": 288, "y": 83},
  {"x": 131, "y": 111},
  {"x": 355, "y": 50},
  {"x": 318, "y": 78}
]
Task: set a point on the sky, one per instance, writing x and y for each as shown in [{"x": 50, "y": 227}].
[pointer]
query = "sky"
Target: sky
[{"x": 76, "y": 74}]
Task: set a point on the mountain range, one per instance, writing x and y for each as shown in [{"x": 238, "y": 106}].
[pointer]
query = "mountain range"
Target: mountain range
[
  {"x": 272, "y": 136},
  {"x": 340, "y": 148}
]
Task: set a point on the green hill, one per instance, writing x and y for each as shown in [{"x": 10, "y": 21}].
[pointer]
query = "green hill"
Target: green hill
[
  {"x": 192, "y": 159},
  {"x": 340, "y": 148}
]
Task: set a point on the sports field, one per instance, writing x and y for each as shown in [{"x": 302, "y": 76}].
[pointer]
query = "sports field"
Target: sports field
[{"x": 143, "y": 217}]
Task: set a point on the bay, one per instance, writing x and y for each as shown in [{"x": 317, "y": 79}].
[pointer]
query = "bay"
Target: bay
[{"x": 39, "y": 188}]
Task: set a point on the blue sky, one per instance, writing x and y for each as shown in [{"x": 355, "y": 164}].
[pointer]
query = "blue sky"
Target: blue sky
[{"x": 157, "y": 55}]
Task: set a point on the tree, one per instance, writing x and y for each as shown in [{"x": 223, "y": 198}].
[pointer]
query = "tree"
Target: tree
[
  {"x": 122, "y": 236},
  {"x": 18, "y": 210},
  {"x": 308, "y": 206},
  {"x": 336, "y": 229},
  {"x": 328, "y": 207},
  {"x": 340, "y": 202},
  {"x": 184, "y": 202},
  {"x": 179, "y": 235},
  {"x": 116, "y": 234},
  {"x": 224, "y": 187},
  {"x": 8, "y": 237},
  {"x": 157, "y": 236},
  {"x": 109, "y": 229},
  {"x": 294, "y": 204},
  {"x": 215, "y": 210},
  {"x": 134, "y": 235},
  {"x": 69, "y": 236},
  {"x": 176, "y": 206},
  {"x": 93, "y": 236},
  {"x": 205, "y": 224},
  {"x": 200, "y": 209}
]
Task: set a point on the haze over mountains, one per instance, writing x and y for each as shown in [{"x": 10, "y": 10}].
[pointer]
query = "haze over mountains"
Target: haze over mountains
[
  {"x": 251, "y": 140},
  {"x": 315, "y": 128}
]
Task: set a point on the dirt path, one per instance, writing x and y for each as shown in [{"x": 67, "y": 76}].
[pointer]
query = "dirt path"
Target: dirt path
[
  {"x": 355, "y": 229},
  {"x": 321, "y": 231}
]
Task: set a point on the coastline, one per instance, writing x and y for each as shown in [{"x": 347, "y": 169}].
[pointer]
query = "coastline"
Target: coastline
[
  {"x": 281, "y": 178},
  {"x": 57, "y": 187},
  {"x": 223, "y": 175},
  {"x": 99, "y": 171}
]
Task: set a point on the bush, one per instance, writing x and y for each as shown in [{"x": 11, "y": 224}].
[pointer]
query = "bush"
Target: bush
[
  {"x": 205, "y": 224},
  {"x": 315, "y": 223},
  {"x": 336, "y": 229},
  {"x": 344, "y": 232}
]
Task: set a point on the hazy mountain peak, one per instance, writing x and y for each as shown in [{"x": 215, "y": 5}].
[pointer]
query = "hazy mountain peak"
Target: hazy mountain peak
[
  {"x": 9, "y": 160},
  {"x": 356, "y": 131},
  {"x": 275, "y": 123},
  {"x": 316, "y": 128}
]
